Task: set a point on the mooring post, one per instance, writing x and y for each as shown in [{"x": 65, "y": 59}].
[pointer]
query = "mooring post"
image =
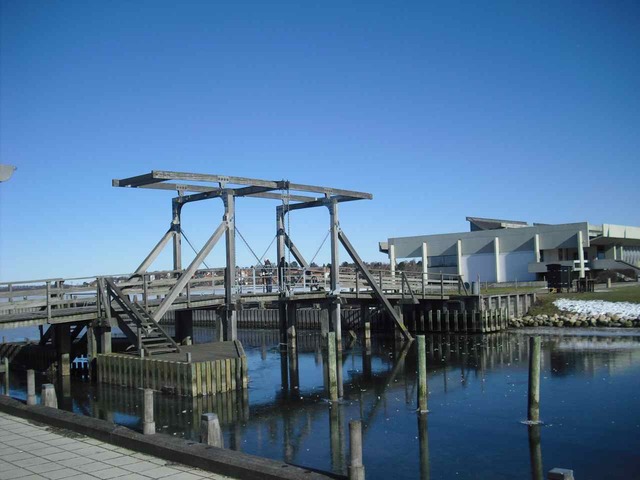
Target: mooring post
[
  {"x": 210, "y": 432},
  {"x": 560, "y": 474},
  {"x": 5, "y": 363},
  {"x": 148, "y": 424},
  {"x": 356, "y": 468},
  {"x": 333, "y": 374},
  {"x": 188, "y": 357},
  {"x": 533, "y": 412},
  {"x": 49, "y": 398},
  {"x": 31, "y": 387},
  {"x": 422, "y": 374}
]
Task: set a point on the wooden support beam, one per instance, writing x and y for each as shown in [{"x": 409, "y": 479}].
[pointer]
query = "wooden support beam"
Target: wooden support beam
[
  {"x": 146, "y": 263},
  {"x": 376, "y": 289},
  {"x": 294, "y": 250},
  {"x": 157, "y": 176},
  {"x": 188, "y": 273}
]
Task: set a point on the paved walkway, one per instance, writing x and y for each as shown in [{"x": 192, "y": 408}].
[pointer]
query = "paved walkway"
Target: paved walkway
[{"x": 28, "y": 451}]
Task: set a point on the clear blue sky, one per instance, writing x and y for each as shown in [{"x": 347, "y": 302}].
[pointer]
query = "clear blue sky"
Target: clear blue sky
[{"x": 518, "y": 110}]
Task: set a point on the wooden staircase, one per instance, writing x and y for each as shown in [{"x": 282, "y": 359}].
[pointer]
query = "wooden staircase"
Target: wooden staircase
[{"x": 140, "y": 328}]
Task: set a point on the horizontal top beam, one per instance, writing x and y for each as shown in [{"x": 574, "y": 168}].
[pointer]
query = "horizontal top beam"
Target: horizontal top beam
[{"x": 155, "y": 180}]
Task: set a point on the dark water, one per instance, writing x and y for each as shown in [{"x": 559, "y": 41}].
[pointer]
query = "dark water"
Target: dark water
[{"x": 590, "y": 392}]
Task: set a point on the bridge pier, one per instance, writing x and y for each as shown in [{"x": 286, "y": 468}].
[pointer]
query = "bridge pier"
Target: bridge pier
[
  {"x": 62, "y": 342},
  {"x": 227, "y": 324}
]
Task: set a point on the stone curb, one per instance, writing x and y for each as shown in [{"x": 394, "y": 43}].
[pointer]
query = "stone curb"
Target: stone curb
[{"x": 217, "y": 460}]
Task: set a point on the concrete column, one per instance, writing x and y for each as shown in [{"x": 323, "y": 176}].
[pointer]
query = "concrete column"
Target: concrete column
[
  {"x": 425, "y": 262},
  {"x": 560, "y": 474},
  {"x": 536, "y": 247},
  {"x": 31, "y": 387},
  {"x": 459, "y": 254},
  {"x": 496, "y": 253},
  {"x": 49, "y": 398},
  {"x": 148, "y": 422},
  {"x": 210, "y": 431},
  {"x": 580, "y": 255}
]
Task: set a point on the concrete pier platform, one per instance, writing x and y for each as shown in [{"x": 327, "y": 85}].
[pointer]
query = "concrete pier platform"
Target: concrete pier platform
[
  {"x": 34, "y": 452},
  {"x": 202, "y": 369}
]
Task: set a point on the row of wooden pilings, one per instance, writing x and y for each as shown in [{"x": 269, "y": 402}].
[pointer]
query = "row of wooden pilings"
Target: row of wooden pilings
[{"x": 420, "y": 321}]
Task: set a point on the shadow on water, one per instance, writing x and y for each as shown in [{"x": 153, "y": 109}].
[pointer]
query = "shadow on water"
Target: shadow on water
[{"x": 477, "y": 398}]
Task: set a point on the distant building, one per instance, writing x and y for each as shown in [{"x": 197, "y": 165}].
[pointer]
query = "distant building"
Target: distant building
[{"x": 506, "y": 250}]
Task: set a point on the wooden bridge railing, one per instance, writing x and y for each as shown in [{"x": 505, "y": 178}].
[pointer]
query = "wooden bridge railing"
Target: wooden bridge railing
[
  {"x": 405, "y": 283},
  {"x": 67, "y": 293}
]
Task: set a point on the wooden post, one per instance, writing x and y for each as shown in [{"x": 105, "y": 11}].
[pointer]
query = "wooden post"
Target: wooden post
[
  {"x": 49, "y": 302},
  {"x": 356, "y": 468},
  {"x": 148, "y": 424},
  {"x": 533, "y": 411},
  {"x": 422, "y": 374},
  {"x": 49, "y": 398},
  {"x": 31, "y": 387},
  {"x": 5, "y": 363},
  {"x": 145, "y": 291},
  {"x": 210, "y": 432},
  {"x": 333, "y": 374}
]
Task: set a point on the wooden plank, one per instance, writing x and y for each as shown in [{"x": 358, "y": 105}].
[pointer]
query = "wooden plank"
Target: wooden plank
[{"x": 199, "y": 378}]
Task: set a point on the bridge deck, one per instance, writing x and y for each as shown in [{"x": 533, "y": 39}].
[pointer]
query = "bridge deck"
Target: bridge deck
[{"x": 88, "y": 313}]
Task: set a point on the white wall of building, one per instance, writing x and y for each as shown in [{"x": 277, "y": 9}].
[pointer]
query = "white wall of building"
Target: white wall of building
[
  {"x": 482, "y": 264},
  {"x": 515, "y": 266}
]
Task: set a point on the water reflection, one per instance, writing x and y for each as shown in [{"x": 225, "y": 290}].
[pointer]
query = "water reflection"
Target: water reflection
[
  {"x": 535, "y": 452},
  {"x": 477, "y": 397}
]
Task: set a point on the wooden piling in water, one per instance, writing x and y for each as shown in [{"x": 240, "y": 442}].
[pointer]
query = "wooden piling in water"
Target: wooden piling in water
[
  {"x": 533, "y": 408},
  {"x": 331, "y": 365},
  {"x": 422, "y": 374}
]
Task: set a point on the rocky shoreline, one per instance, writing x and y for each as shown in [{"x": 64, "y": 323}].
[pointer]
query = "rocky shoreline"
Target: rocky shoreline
[{"x": 567, "y": 319}]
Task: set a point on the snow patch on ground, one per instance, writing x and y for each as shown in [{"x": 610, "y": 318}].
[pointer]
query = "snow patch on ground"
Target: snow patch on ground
[{"x": 599, "y": 307}]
